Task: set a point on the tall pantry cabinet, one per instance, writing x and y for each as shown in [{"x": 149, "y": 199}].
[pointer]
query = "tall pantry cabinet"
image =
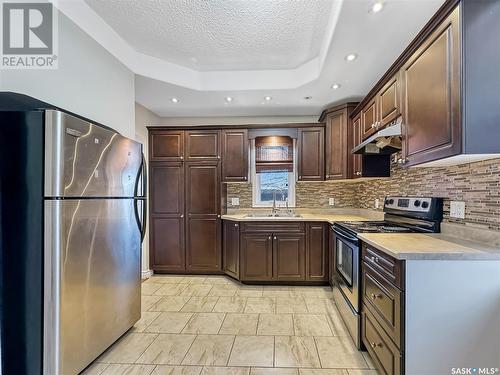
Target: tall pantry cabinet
[{"x": 185, "y": 175}]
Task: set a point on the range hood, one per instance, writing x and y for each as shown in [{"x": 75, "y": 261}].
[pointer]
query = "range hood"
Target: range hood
[{"x": 385, "y": 141}]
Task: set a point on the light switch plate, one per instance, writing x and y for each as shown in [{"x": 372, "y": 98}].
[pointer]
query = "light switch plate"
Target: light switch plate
[
  {"x": 331, "y": 201},
  {"x": 235, "y": 201},
  {"x": 377, "y": 203},
  {"x": 457, "y": 209}
]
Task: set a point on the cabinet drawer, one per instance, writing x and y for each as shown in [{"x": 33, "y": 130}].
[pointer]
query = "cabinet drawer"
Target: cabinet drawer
[
  {"x": 383, "y": 352},
  {"x": 390, "y": 268},
  {"x": 385, "y": 302},
  {"x": 280, "y": 227}
]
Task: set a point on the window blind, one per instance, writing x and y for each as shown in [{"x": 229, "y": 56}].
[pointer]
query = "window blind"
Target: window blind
[{"x": 273, "y": 154}]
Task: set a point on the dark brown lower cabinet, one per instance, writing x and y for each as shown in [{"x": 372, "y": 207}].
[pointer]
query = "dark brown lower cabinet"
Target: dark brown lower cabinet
[
  {"x": 256, "y": 263},
  {"x": 383, "y": 352},
  {"x": 231, "y": 249},
  {"x": 317, "y": 252},
  {"x": 382, "y": 315},
  {"x": 203, "y": 244},
  {"x": 167, "y": 240},
  {"x": 289, "y": 257}
]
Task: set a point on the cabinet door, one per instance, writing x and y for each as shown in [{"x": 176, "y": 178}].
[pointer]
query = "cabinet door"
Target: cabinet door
[
  {"x": 256, "y": 263},
  {"x": 388, "y": 100},
  {"x": 166, "y": 145},
  {"x": 203, "y": 250},
  {"x": 166, "y": 207},
  {"x": 316, "y": 252},
  {"x": 357, "y": 162},
  {"x": 234, "y": 155},
  {"x": 202, "y": 145},
  {"x": 431, "y": 96},
  {"x": 231, "y": 248},
  {"x": 336, "y": 145},
  {"x": 311, "y": 154},
  {"x": 289, "y": 257},
  {"x": 369, "y": 119}
]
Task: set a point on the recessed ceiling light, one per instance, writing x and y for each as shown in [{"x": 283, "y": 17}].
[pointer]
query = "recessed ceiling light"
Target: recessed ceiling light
[
  {"x": 336, "y": 86},
  {"x": 229, "y": 99},
  {"x": 174, "y": 100},
  {"x": 351, "y": 57},
  {"x": 308, "y": 97},
  {"x": 377, "y": 7},
  {"x": 267, "y": 98}
]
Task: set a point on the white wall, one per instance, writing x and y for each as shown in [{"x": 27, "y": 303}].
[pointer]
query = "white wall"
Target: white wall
[
  {"x": 89, "y": 81},
  {"x": 143, "y": 118}
]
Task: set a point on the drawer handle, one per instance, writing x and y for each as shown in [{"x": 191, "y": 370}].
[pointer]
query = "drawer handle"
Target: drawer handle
[
  {"x": 375, "y": 296},
  {"x": 374, "y": 345}
]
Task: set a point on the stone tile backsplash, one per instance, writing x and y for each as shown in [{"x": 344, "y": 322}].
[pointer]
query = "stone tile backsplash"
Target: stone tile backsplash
[{"x": 477, "y": 184}]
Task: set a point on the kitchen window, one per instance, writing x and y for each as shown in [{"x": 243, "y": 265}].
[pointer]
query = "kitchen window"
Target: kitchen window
[{"x": 273, "y": 172}]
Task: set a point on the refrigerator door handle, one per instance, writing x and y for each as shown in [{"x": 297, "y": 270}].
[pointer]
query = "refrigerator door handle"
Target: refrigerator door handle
[{"x": 140, "y": 225}]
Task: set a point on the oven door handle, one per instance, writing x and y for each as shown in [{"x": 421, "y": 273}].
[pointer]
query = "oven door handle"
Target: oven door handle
[{"x": 344, "y": 235}]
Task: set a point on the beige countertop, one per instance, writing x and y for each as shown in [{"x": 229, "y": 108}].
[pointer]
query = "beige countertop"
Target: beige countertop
[
  {"x": 419, "y": 246},
  {"x": 325, "y": 217}
]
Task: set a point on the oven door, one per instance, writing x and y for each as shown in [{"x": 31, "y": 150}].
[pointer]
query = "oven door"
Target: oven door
[{"x": 346, "y": 266}]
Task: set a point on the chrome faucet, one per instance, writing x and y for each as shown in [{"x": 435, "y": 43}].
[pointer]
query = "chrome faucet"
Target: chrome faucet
[{"x": 275, "y": 209}]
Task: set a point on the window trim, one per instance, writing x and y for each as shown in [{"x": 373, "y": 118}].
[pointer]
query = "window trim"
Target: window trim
[{"x": 292, "y": 178}]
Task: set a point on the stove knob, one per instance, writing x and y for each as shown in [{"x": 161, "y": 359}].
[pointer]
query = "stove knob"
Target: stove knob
[
  {"x": 425, "y": 204},
  {"x": 417, "y": 203},
  {"x": 390, "y": 201}
]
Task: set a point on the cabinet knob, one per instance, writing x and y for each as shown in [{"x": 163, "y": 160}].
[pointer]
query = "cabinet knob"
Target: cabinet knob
[
  {"x": 373, "y": 126},
  {"x": 244, "y": 178},
  {"x": 375, "y": 296},
  {"x": 374, "y": 345},
  {"x": 327, "y": 176},
  {"x": 218, "y": 156},
  {"x": 374, "y": 259},
  {"x": 400, "y": 161},
  {"x": 269, "y": 237},
  {"x": 274, "y": 237},
  {"x": 358, "y": 173},
  {"x": 182, "y": 216},
  {"x": 235, "y": 225},
  {"x": 182, "y": 157},
  {"x": 218, "y": 215}
]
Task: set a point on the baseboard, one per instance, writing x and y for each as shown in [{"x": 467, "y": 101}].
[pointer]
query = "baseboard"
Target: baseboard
[{"x": 146, "y": 274}]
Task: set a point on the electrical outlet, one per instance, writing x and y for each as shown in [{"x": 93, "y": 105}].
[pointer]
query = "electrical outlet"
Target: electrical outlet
[
  {"x": 377, "y": 203},
  {"x": 457, "y": 209},
  {"x": 331, "y": 201},
  {"x": 235, "y": 201}
]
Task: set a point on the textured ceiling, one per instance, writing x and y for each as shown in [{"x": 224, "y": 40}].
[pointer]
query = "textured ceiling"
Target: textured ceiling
[{"x": 229, "y": 35}]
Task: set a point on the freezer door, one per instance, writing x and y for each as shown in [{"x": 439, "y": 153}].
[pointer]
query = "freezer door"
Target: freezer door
[
  {"x": 86, "y": 160},
  {"x": 92, "y": 279}
]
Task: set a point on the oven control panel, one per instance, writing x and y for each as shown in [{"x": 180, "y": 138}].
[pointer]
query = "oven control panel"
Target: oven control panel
[{"x": 409, "y": 204}]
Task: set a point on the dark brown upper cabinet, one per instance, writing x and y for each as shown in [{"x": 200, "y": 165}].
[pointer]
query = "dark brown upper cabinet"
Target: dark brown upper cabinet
[
  {"x": 369, "y": 118},
  {"x": 235, "y": 155},
  {"x": 431, "y": 93},
  {"x": 338, "y": 141},
  {"x": 311, "y": 154},
  {"x": 388, "y": 102},
  {"x": 166, "y": 145},
  {"x": 447, "y": 82},
  {"x": 356, "y": 139},
  {"x": 202, "y": 145}
]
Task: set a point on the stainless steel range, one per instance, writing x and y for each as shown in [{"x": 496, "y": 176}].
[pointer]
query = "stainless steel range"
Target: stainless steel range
[{"x": 402, "y": 215}]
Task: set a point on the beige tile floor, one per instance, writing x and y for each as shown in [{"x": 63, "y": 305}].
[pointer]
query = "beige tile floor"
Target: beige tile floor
[{"x": 211, "y": 325}]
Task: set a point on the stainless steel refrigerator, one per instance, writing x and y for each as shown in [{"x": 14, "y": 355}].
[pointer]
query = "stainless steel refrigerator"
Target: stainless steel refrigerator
[{"x": 79, "y": 276}]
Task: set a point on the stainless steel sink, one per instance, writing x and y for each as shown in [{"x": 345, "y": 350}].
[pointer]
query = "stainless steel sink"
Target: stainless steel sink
[{"x": 277, "y": 215}]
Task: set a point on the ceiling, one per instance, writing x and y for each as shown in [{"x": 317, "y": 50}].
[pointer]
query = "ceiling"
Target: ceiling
[{"x": 203, "y": 51}]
